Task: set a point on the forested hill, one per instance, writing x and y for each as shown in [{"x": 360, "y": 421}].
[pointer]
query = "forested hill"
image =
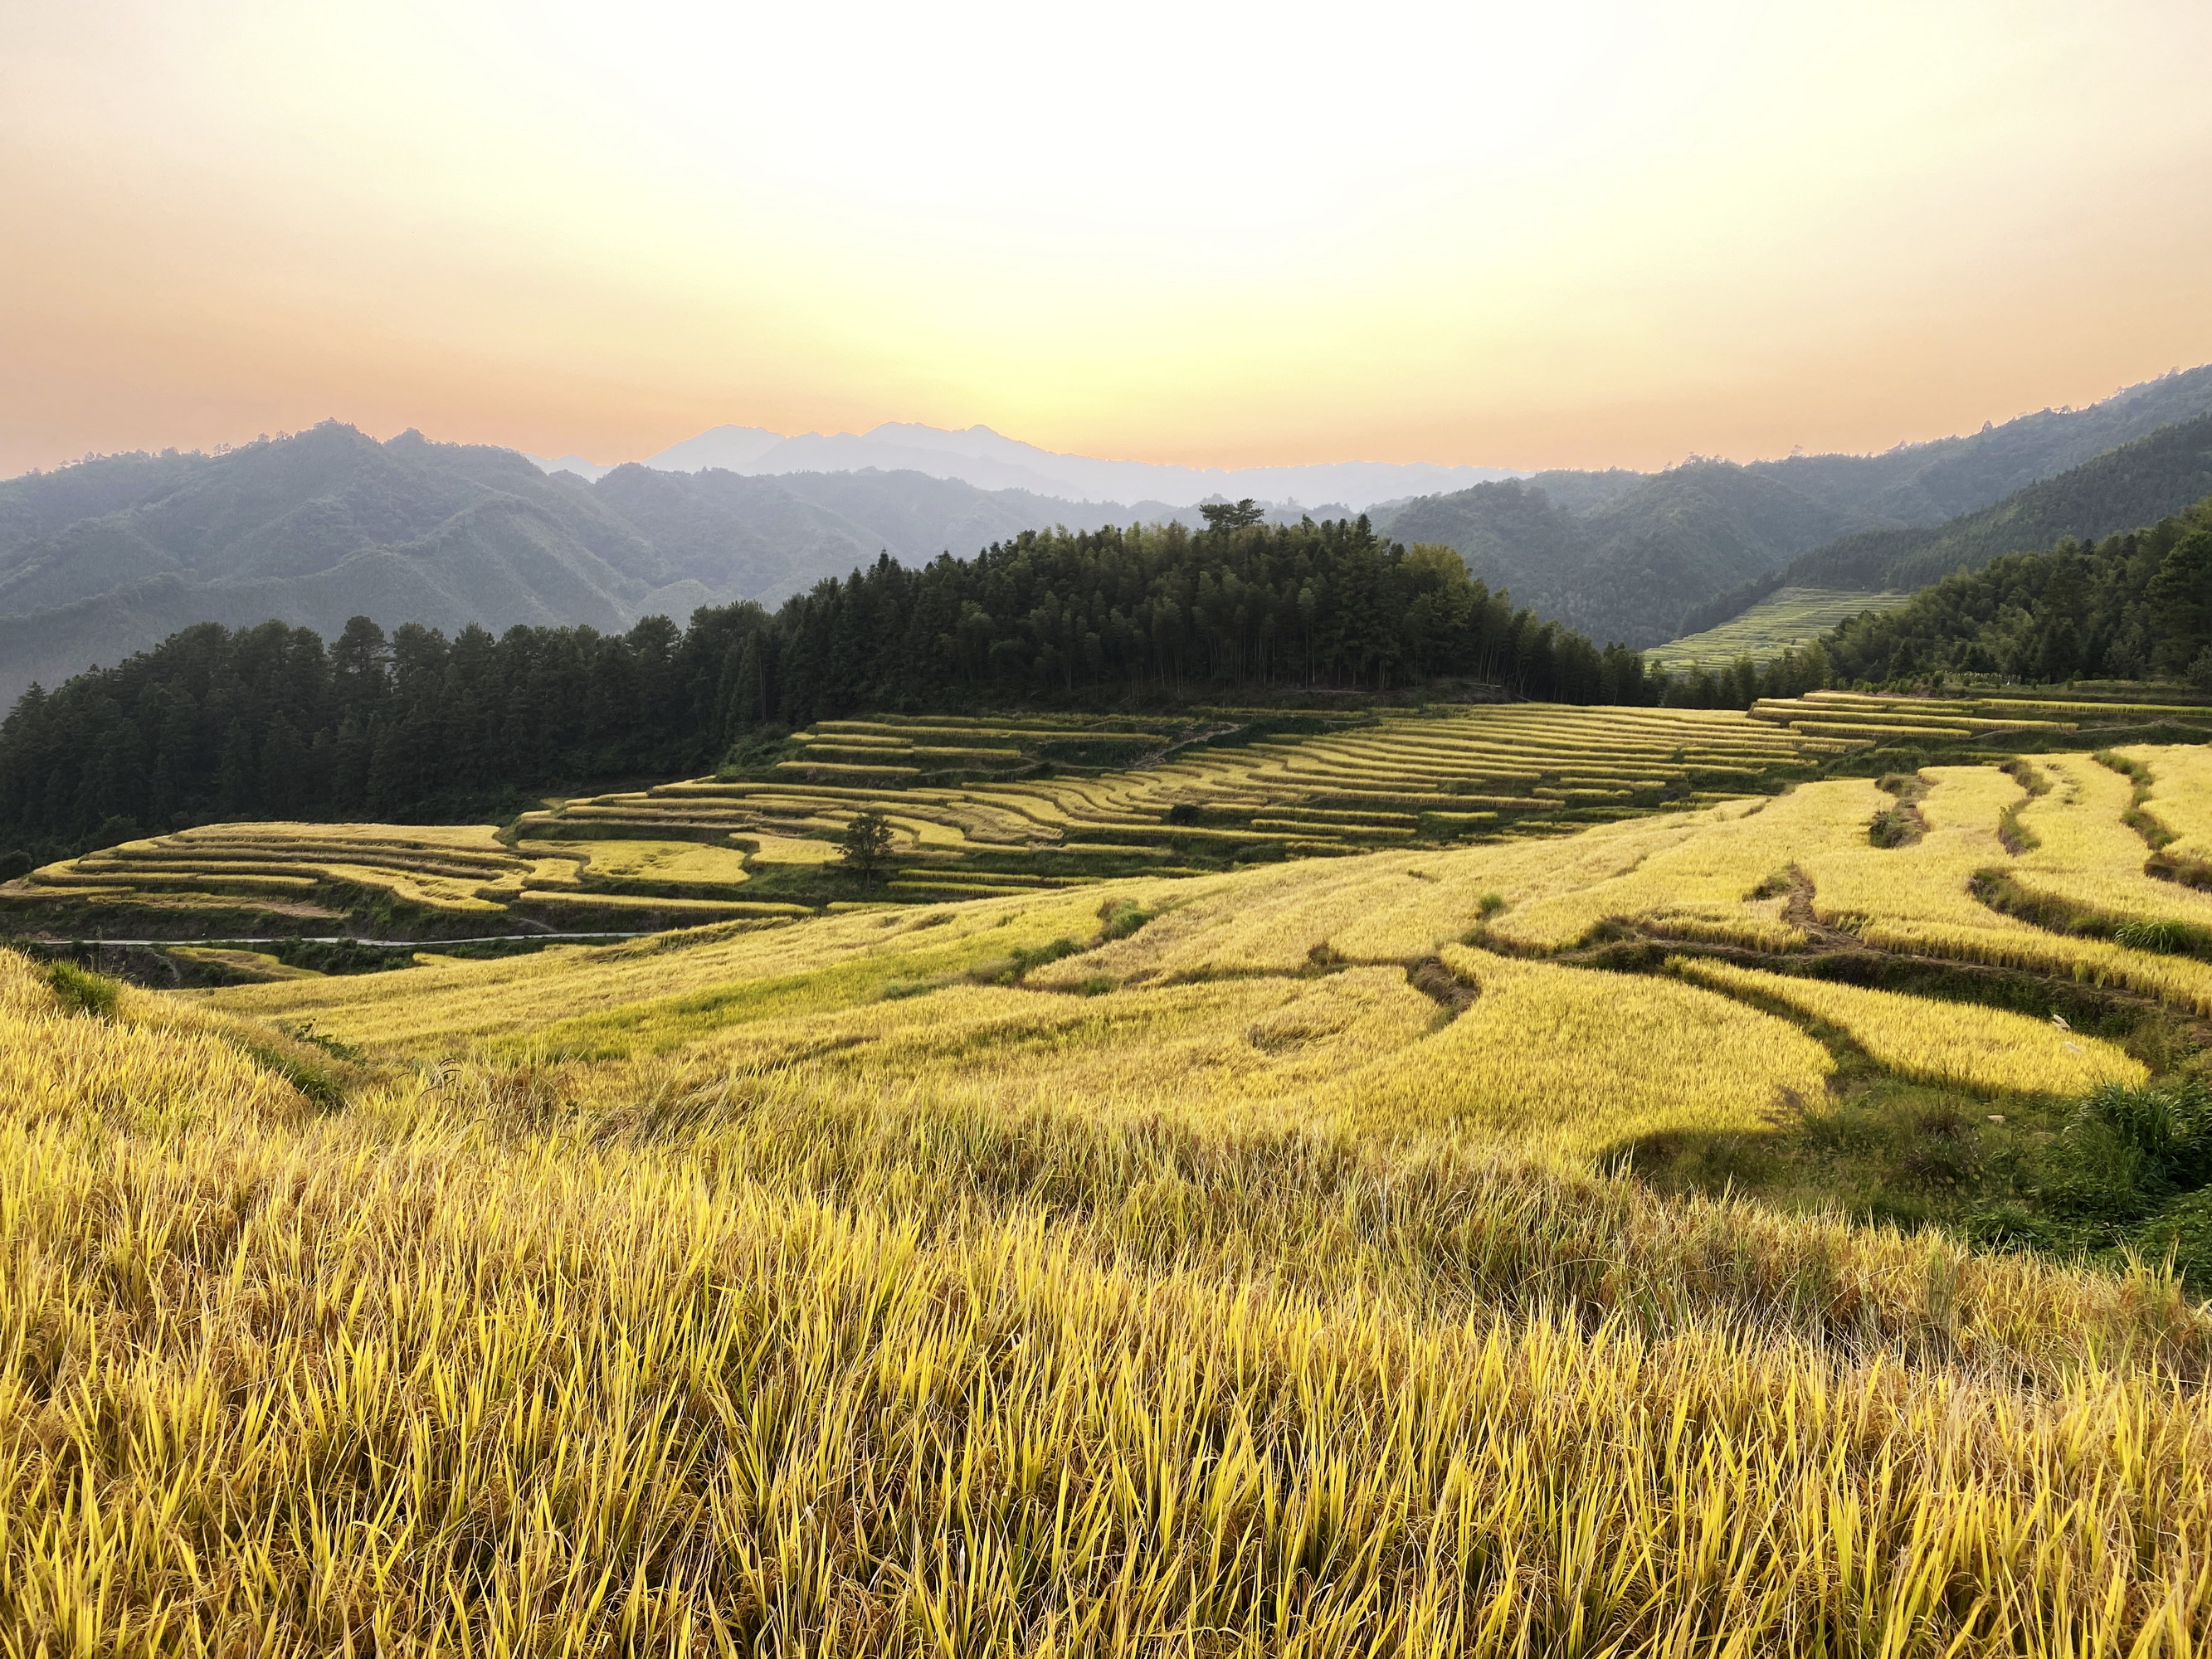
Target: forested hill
[
  {"x": 104, "y": 558},
  {"x": 1642, "y": 551},
  {"x": 1643, "y": 557},
  {"x": 2134, "y": 605},
  {"x": 270, "y": 721},
  {"x": 2137, "y": 484}
]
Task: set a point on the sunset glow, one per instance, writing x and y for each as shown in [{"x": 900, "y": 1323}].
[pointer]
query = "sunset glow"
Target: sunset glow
[{"x": 1582, "y": 234}]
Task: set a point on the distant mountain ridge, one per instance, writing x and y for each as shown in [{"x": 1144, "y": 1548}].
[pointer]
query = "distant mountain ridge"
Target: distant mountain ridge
[
  {"x": 2123, "y": 489},
  {"x": 988, "y": 460},
  {"x": 109, "y": 556},
  {"x": 1645, "y": 557},
  {"x": 104, "y": 558}
]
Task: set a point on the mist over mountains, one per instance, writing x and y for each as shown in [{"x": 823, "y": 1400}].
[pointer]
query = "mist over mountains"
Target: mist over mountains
[
  {"x": 982, "y": 458},
  {"x": 110, "y": 555}
]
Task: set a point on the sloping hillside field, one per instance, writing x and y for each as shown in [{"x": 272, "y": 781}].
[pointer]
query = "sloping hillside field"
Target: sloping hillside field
[
  {"x": 975, "y": 807},
  {"x": 1774, "y": 1224},
  {"x": 1785, "y": 619}
]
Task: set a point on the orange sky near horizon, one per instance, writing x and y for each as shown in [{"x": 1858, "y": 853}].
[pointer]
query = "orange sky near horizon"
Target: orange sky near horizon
[{"x": 1579, "y": 234}]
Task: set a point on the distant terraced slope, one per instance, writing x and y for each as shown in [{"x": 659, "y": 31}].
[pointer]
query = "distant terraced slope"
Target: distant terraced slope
[
  {"x": 1866, "y": 717},
  {"x": 1793, "y": 616}
]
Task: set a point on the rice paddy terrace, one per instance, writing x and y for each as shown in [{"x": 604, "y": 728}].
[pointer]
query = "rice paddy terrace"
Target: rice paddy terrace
[
  {"x": 309, "y": 878},
  {"x": 1429, "y": 1249},
  {"x": 1786, "y": 619},
  {"x": 1868, "y": 719},
  {"x": 979, "y": 807},
  {"x": 976, "y": 807}
]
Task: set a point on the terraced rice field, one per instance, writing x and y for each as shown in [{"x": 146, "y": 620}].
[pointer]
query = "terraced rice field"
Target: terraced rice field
[
  {"x": 1238, "y": 1262},
  {"x": 2176, "y": 805},
  {"x": 1987, "y": 1048},
  {"x": 312, "y": 878},
  {"x": 1774, "y": 876},
  {"x": 1786, "y": 619},
  {"x": 1868, "y": 717},
  {"x": 1432, "y": 776},
  {"x": 461, "y": 871},
  {"x": 978, "y": 808}
]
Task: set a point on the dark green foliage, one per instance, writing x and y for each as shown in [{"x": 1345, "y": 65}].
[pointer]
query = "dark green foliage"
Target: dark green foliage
[
  {"x": 337, "y": 1049},
  {"x": 1161, "y": 613},
  {"x": 2137, "y": 484},
  {"x": 866, "y": 846},
  {"x": 1646, "y": 557},
  {"x": 1119, "y": 919},
  {"x": 2134, "y": 607},
  {"x": 2116, "y": 1171},
  {"x": 269, "y": 722},
  {"x": 82, "y": 990},
  {"x": 2123, "y": 1170},
  {"x": 1637, "y": 559},
  {"x": 1224, "y": 515},
  {"x": 14, "y": 863},
  {"x": 2167, "y": 938},
  {"x": 309, "y": 1078}
]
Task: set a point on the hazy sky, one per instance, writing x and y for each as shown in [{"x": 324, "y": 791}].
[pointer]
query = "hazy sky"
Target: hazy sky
[{"x": 1525, "y": 235}]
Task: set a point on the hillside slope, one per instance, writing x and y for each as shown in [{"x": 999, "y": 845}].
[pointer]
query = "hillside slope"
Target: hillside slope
[
  {"x": 1643, "y": 558},
  {"x": 1628, "y": 568},
  {"x": 2136, "y": 605},
  {"x": 103, "y": 559},
  {"x": 2137, "y": 484}
]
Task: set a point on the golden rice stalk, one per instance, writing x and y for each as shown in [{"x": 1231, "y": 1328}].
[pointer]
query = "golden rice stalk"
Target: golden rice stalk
[
  {"x": 61, "y": 1066},
  {"x": 2181, "y": 798},
  {"x": 1938, "y": 1042},
  {"x": 1569, "y": 1063},
  {"x": 2086, "y": 856}
]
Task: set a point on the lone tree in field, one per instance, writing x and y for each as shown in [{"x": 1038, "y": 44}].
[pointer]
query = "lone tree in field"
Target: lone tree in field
[{"x": 867, "y": 846}]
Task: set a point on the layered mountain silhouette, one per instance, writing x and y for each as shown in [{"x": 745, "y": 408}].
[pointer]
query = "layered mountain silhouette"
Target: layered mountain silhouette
[
  {"x": 1643, "y": 557},
  {"x": 982, "y": 458},
  {"x": 107, "y": 557}
]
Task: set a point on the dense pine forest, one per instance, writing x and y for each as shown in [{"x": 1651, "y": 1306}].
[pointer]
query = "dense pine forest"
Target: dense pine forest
[
  {"x": 2134, "y": 606},
  {"x": 272, "y": 722}
]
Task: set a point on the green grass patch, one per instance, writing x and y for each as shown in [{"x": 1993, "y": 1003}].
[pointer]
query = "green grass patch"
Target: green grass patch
[{"x": 81, "y": 989}]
